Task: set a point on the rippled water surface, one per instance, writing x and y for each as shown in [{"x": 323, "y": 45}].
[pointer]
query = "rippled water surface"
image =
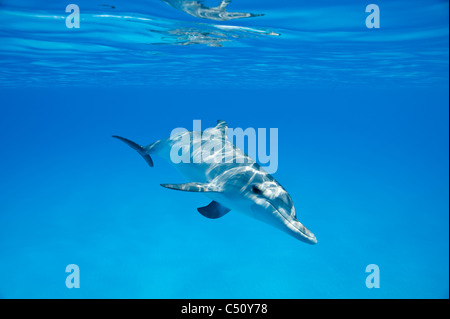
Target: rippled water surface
[{"x": 286, "y": 44}]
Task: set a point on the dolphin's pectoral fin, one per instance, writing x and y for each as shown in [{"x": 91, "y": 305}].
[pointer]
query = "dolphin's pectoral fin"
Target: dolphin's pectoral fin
[
  {"x": 192, "y": 187},
  {"x": 213, "y": 210}
]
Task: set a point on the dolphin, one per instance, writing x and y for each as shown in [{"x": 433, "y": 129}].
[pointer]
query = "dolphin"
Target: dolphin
[
  {"x": 219, "y": 13},
  {"x": 230, "y": 178}
]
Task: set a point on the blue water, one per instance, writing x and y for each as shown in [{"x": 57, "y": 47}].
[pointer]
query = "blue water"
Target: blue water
[{"x": 362, "y": 117}]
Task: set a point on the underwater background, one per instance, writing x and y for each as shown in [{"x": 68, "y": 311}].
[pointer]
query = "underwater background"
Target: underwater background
[{"x": 362, "y": 117}]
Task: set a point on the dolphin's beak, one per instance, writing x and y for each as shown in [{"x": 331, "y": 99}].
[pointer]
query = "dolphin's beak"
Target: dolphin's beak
[
  {"x": 308, "y": 236},
  {"x": 295, "y": 228}
]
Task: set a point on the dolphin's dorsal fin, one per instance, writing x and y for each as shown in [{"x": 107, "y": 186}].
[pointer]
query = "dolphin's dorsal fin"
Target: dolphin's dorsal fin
[
  {"x": 223, "y": 5},
  {"x": 223, "y": 127},
  {"x": 193, "y": 187},
  {"x": 213, "y": 210}
]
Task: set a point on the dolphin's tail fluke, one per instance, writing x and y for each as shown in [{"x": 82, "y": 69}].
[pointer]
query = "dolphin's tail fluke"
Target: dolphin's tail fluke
[{"x": 140, "y": 149}]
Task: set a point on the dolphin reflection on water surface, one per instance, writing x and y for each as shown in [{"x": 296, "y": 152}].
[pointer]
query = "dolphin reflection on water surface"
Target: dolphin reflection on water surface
[{"x": 219, "y": 13}]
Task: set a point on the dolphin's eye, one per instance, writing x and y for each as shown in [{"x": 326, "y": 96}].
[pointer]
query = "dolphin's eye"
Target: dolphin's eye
[{"x": 256, "y": 190}]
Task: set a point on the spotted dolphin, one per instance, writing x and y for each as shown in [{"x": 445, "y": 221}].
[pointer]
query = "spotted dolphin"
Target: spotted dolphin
[
  {"x": 230, "y": 178},
  {"x": 219, "y": 13}
]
